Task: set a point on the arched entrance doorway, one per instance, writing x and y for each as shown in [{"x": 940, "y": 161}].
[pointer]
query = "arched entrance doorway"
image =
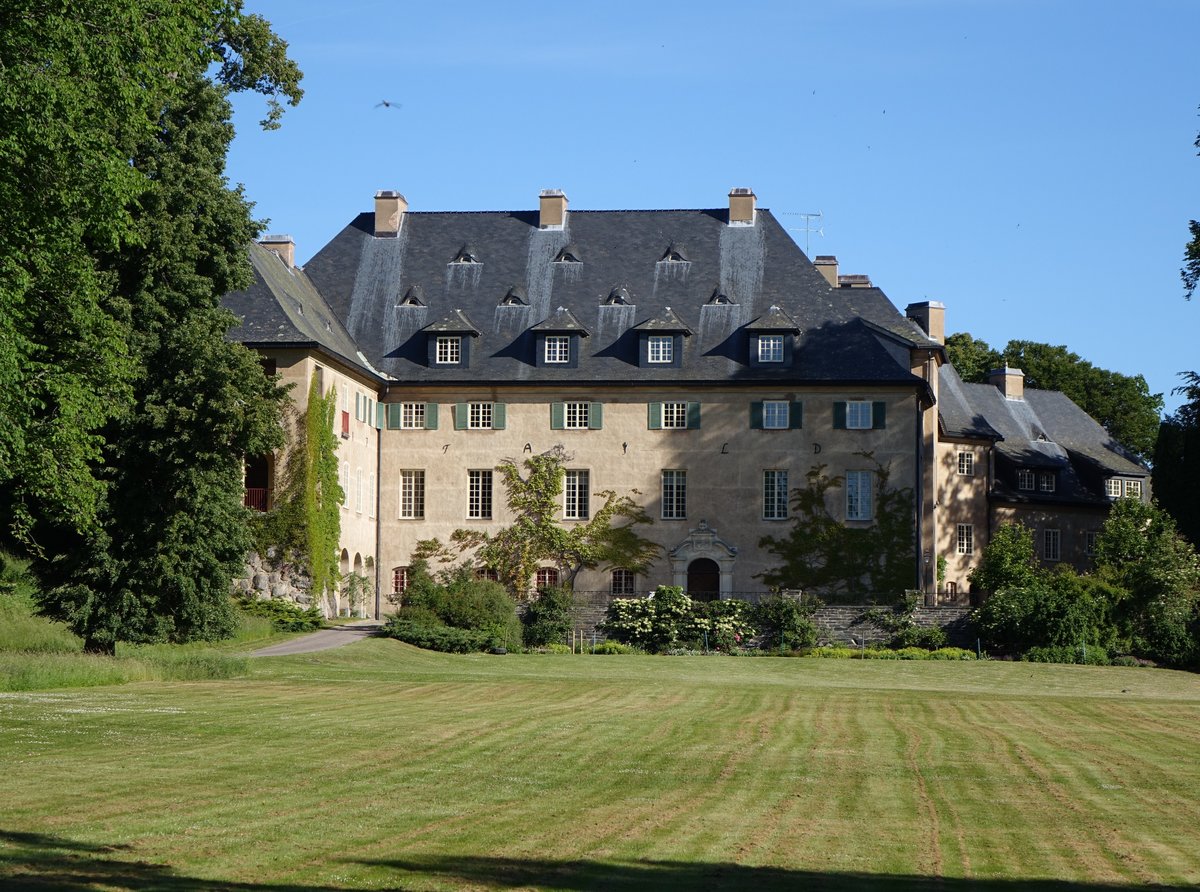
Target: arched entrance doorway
[{"x": 704, "y": 580}]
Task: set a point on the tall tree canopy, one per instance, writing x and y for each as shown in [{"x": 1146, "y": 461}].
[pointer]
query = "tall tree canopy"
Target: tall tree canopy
[
  {"x": 1122, "y": 403},
  {"x": 1177, "y": 461},
  {"x": 127, "y": 412}
]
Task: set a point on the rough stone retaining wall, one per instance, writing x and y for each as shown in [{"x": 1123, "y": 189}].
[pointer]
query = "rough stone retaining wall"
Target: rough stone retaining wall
[
  {"x": 263, "y": 579},
  {"x": 837, "y": 624}
]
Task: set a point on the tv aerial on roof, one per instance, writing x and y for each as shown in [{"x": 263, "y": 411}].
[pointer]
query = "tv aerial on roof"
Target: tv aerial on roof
[{"x": 808, "y": 229}]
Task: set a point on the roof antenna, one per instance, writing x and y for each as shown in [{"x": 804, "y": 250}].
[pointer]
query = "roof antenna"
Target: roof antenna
[{"x": 808, "y": 228}]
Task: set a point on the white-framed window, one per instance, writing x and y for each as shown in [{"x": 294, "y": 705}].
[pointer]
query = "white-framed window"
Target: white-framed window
[
  {"x": 674, "y": 495},
  {"x": 1052, "y": 545},
  {"x": 674, "y": 416},
  {"x": 770, "y": 348},
  {"x": 449, "y": 349},
  {"x": 575, "y": 416},
  {"x": 558, "y": 348},
  {"x": 858, "y": 415},
  {"x": 623, "y": 582},
  {"x": 487, "y": 573},
  {"x": 775, "y": 494},
  {"x": 412, "y": 416},
  {"x": 358, "y": 491},
  {"x": 479, "y": 495},
  {"x": 966, "y": 538},
  {"x": 1047, "y": 482},
  {"x": 1089, "y": 542},
  {"x": 1133, "y": 489},
  {"x": 1025, "y": 479},
  {"x": 345, "y": 481},
  {"x": 371, "y": 494},
  {"x": 479, "y": 416},
  {"x": 966, "y": 464},
  {"x": 1114, "y": 487},
  {"x": 545, "y": 577},
  {"x": 412, "y": 494},
  {"x": 661, "y": 348},
  {"x": 775, "y": 415},
  {"x": 399, "y": 580},
  {"x": 860, "y": 493},
  {"x": 576, "y": 495}
]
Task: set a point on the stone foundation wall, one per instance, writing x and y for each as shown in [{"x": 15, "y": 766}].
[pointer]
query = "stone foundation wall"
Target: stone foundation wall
[{"x": 263, "y": 579}]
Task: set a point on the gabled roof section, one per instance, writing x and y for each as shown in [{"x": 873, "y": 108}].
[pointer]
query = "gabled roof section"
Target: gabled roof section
[
  {"x": 774, "y": 320},
  {"x": 455, "y": 322},
  {"x": 667, "y": 321},
  {"x": 282, "y": 308},
  {"x": 562, "y": 321}
]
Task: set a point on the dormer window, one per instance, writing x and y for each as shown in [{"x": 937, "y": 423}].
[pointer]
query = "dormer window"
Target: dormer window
[
  {"x": 414, "y": 297},
  {"x": 675, "y": 254},
  {"x": 660, "y": 349},
  {"x": 557, "y": 340},
  {"x": 719, "y": 299},
  {"x": 449, "y": 349},
  {"x": 557, "y": 349},
  {"x": 618, "y": 297},
  {"x": 569, "y": 254},
  {"x": 466, "y": 254},
  {"x": 514, "y": 298},
  {"x": 1047, "y": 481},
  {"x": 770, "y": 348}
]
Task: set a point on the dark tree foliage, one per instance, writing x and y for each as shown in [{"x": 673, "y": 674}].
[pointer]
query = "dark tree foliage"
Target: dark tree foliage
[
  {"x": 130, "y": 411},
  {"x": 1177, "y": 461},
  {"x": 1123, "y": 404},
  {"x": 822, "y": 554},
  {"x": 1008, "y": 561}
]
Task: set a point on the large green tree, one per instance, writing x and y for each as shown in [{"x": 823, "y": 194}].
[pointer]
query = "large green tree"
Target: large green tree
[
  {"x": 1177, "y": 461},
  {"x": 1123, "y": 404},
  {"x": 128, "y": 412}
]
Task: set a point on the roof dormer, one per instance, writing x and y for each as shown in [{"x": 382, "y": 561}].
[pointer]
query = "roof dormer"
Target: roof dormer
[
  {"x": 448, "y": 341},
  {"x": 557, "y": 340},
  {"x": 660, "y": 341},
  {"x": 772, "y": 340}
]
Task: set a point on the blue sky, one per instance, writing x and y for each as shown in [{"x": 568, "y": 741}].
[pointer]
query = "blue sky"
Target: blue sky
[{"x": 1030, "y": 164}]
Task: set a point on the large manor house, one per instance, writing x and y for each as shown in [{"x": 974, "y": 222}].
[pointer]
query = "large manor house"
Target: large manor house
[{"x": 697, "y": 359}]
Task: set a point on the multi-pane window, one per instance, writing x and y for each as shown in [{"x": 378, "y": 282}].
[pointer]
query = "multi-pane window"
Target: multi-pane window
[
  {"x": 1114, "y": 487},
  {"x": 966, "y": 538},
  {"x": 1133, "y": 489},
  {"x": 1046, "y": 482},
  {"x": 345, "y": 482},
  {"x": 558, "y": 348},
  {"x": 1089, "y": 542},
  {"x": 575, "y": 495},
  {"x": 479, "y": 495},
  {"x": 412, "y": 494},
  {"x": 575, "y": 416},
  {"x": 966, "y": 464},
  {"x": 412, "y": 416},
  {"x": 449, "y": 349},
  {"x": 674, "y": 495},
  {"x": 1052, "y": 545},
  {"x": 358, "y": 490},
  {"x": 775, "y": 414},
  {"x": 545, "y": 577},
  {"x": 661, "y": 348},
  {"x": 479, "y": 416},
  {"x": 399, "y": 580},
  {"x": 775, "y": 495},
  {"x": 858, "y": 415},
  {"x": 674, "y": 415},
  {"x": 487, "y": 573},
  {"x": 859, "y": 495},
  {"x": 623, "y": 582},
  {"x": 1024, "y": 479},
  {"x": 770, "y": 348}
]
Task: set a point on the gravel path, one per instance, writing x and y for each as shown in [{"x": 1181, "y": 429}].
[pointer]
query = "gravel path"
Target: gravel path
[{"x": 325, "y": 639}]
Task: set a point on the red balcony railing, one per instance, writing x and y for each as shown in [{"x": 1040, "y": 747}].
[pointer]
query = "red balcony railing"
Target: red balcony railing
[{"x": 256, "y": 499}]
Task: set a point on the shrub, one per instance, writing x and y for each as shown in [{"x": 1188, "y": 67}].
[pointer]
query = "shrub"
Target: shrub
[
  {"x": 548, "y": 617},
  {"x": 463, "y": 602},
  {"x": 951, "y": 653},
  {"x": 285, "y": 616},
  {"x": 613, "y": 647},
  {"x": 440, "y": 637},
  {"x": 721, "y": 625},
  {"x": 784, "y": 623},
  {"x": 1125, "y": 660},
  {"x": 1067, "y": 653},
  {"x": 1059, "y": 610},
  {"x": 555, "y": 647},
  {"x": 655, "y": 624}
]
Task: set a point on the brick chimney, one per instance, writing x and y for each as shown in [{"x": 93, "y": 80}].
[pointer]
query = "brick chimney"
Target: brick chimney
[
  {"x": 1011, "y": 382},
  {"x": 742, "y": 204},
  {"x": 931, "y": 316},
  {"x": 827, "y": 265},
  {"x": 552, "y": 209},
  {"x": 282, "y": 247},
  {"x": 389, "y": 211}
]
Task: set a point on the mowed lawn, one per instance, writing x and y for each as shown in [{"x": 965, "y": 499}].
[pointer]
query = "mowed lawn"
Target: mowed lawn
[{"x": 381, "y": 766}]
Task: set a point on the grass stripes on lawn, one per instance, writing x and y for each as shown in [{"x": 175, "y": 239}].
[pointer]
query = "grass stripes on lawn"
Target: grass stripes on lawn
[{"x": 380, "y": 766}]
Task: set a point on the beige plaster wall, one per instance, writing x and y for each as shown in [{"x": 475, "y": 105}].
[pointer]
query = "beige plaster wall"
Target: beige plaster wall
[
  {"x": 961, "y": 499},
  {"x": 724, "y": 461},
  {"x": 1072, "y": 522}
]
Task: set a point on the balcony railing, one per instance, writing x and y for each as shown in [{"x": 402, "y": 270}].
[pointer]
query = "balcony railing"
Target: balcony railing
[{"x": 256, "y": 499}]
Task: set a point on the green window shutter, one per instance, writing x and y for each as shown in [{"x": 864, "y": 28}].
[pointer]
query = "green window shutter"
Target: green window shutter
[
  {"x": 796, "y": 416},
  {"x": 756, "y": 416},
  {"x": 460, "y": 416},
  {"x": 558, "y": 414},
  {"x": 595, "y": 416},
  {"x": 431, "y": 416},
  {"x": 879, "y": 415},
  {"x": 839, "y": 415},
  {"x": 498, "y": 416},
  {"x": 393, "y": 416},
  {"x": 693, "y": 421},
  {"x": 655, "y": 416}
]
